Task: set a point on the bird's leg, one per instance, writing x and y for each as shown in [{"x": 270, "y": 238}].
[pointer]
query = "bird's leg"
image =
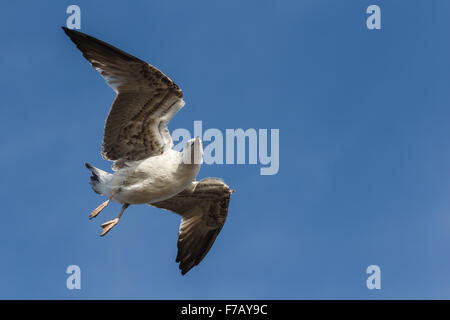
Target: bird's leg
[
  {"x": 99, "y": 209},
  {"x": 111, "y": 223}
]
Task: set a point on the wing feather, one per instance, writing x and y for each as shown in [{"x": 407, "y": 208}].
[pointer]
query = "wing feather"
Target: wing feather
[
  {"x": 204, "y": 211},
  {"x": 136, "y": 127}
]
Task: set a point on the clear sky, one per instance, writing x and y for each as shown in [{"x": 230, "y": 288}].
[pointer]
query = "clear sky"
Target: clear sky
[{"x": 364, "y": 173}]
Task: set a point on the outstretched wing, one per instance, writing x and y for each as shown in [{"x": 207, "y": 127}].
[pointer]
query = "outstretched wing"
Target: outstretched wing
[
  {"x": 203, "y": 210},
  {"x": 146, "y": 101}
]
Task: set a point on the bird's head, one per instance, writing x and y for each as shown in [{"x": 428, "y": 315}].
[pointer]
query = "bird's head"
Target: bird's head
[{"x": 193, "y": 151}]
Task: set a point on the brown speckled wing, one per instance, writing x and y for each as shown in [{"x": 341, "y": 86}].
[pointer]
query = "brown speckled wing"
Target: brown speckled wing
[
  {"x": 204, "y": 211},
  {"x": 146, "y": 100}
]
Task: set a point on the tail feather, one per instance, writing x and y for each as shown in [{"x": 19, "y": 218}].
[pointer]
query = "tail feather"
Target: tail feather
[{"x": 99, "y": 179}]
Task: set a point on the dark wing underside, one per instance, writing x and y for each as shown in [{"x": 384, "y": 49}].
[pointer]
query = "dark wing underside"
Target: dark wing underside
[
  {"x": 204, "y": 211},
  {"x": 146, "y": 100}
]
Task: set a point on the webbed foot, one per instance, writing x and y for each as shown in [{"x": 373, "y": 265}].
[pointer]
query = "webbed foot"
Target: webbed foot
[
  {"x": 107, "y": 226},
  {"x": 99, "y": 209}
]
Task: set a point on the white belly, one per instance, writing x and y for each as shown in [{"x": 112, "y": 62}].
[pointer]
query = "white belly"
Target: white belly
[{"x": 154, "y": 179}]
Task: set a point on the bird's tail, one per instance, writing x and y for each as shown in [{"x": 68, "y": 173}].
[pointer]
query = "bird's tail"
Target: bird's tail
[{"x": 99, "y": 179}]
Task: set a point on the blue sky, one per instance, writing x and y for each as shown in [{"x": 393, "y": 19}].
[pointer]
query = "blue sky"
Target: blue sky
[{"x": 364, "y": 149}]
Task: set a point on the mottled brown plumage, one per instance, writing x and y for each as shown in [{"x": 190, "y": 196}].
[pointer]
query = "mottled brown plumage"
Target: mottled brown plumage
[
  {"x": 146, "y": 100},
  {"x": 204, "y": 211}
]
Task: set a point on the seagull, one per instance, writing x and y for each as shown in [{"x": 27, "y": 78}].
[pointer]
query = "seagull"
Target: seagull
[{"x": 146, "y": 168}]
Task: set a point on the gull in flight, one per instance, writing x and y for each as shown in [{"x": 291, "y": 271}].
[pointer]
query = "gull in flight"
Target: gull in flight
[{"x": 146, "y": 168}]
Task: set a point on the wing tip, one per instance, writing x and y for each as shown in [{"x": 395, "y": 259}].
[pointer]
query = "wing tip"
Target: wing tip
[
  {"x": 186, "y": 268},
  {"x": 74, "y": 35},
  {"x": 69, "y": 31}
]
